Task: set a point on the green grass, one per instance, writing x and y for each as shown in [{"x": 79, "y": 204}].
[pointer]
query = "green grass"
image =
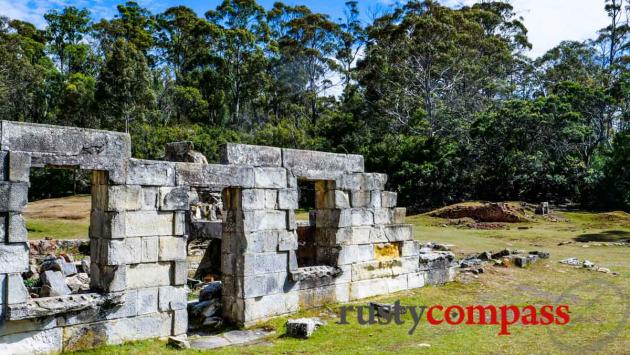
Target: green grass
[
  {"x": 546, "y": 282},
  {"x": 57, "y": 228}
]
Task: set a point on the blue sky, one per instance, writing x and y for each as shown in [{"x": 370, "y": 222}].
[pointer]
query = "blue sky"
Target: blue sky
[{"x": 548, "y": 21}]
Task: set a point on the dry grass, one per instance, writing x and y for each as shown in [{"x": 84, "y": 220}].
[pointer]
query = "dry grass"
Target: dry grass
[{"x": 59, "y": 218}]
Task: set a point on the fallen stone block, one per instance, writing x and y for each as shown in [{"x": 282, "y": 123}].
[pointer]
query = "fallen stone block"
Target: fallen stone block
[
  {"x": 436, "y": 260},
  {"x": 53, "y": 284},
  {"x": 571, "y": 261},
  {"x": 524, "y": 261},
  {"x": 500, "y": 254},
  {"x": 303, "y": 327},
  {"x": 179, "y": 342},
  {"x": 79, "y": 282}
]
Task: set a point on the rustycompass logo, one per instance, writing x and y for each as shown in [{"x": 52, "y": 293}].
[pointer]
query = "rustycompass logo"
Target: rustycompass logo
[{"x": 504, "y": 316}]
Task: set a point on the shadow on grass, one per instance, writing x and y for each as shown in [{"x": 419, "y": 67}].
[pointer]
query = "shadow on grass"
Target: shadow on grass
[{"x": 606, "y": 236}]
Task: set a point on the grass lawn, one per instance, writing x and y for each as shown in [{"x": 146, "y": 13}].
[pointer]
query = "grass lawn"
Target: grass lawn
[
  {"x": 598, "y": 302},
  {"x": 59, "y": 218}
]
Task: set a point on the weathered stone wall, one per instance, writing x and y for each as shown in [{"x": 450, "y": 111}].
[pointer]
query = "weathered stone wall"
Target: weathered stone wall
[
  {"x": 139, "y": 230},
  {"x": 136, "y": 238},
  {"x": 363, "y": 247}
]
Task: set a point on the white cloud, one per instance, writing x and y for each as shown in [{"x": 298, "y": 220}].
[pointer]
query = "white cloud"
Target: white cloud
[{"x": 551, "y": 21}]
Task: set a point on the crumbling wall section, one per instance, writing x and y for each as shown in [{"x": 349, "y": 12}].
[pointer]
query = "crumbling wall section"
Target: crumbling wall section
[
  {"x": 363, "y": 247},
  {"x": 138, "y": 269},
  {"x": 138, "y": 236}
]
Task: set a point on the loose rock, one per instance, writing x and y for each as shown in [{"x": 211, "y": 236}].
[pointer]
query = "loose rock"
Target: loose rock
[{"x": 303, "y": 327}]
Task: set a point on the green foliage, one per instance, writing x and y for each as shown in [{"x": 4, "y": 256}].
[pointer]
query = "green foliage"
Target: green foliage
[{"x": 148, "y": 141}]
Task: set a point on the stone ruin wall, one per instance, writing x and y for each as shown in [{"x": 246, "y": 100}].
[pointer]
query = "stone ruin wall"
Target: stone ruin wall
[{"x": 138, "y": 234}]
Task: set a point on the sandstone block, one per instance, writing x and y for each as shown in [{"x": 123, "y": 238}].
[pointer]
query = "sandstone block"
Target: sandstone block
[
  {"x": 410, "y": 248},
  {"x": 120, "y": 252},
  {"x": 172, "y": 298},
  {"x": 15, "y": 231},
  {"x": 150, "y": 249},
  {"x": 362, "y": 181},
  {"x": 382, "y": 216},
  {"x": 397, "y": 232},
  {"x": 108, "y": 278},
  {"x": 173, "y": 198},
  {"x": 256, "y": 264},
  {"x": 376, "y": 269},
  {"x": 148, "y": 275},
  {"x": 264, "y": 220},
  {"x": 266, "y": 284},
  {"x": 399, "y": 215},
  {"x": 314, "y": 165},
  {"x": 172, "y": 248},
  {"x": 396, "y": 283},
  {"x": 270, "y": 178},
  {"x": 180, "y": 322},
  {"x": 362, "y": 217},
  {"x": 16, "y": 291},
  {"x": 113, "y": 227},
  {"x": 34, "y": 342},
  {"x": 179, "y": 272},
  {"x": 359, "y": 198},
  {"x": 287, "y": 240},
  {"x": 150, "y": 173},
  {"x": 360, "y": 235},
  {"x": 253, "y": 155},
  {"x": 375, "y": 199},
  {"x": 118, "y": 198},
  {"x": 149, "y": 223},
  {"x": 19, "y": 166},
  {"x": 415, "y": 280},
  {"x": 13, "y": 196},
  {"x": 269, "y": 306},
  {"x": 214, "y": 175},
  {"x": 253, "y": 199},
  {"x": 149, "y": 200},
  {"x": 288, "y": 199},
  {"x": 262, "y": 241},
  {"x": 368, "y": 288},
  {"x": 355, "y": 163},
  {"x": 389, "y": 199},
  {"x": 13, "y": 258}
]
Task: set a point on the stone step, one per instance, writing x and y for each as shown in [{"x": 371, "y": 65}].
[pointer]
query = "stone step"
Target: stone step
[{"x": 234, "y": 337}]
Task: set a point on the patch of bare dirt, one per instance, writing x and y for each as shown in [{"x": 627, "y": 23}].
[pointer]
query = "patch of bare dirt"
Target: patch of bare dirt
[
  {"x": 486, "y": 212},
  {"x": 69, "y": 208}
]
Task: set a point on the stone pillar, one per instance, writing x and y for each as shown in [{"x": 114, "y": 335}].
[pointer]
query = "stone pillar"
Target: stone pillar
[
  {"x": 138, "y": 241},
  {"x": 14, "y": 258}
]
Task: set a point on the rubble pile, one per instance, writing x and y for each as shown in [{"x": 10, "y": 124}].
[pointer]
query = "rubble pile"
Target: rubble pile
[
  {"x": 52, "y": 275},
  {"x": 205, "y": 313},
  {"x": 587, "y": 265},
  {"x": 520, "y": 258}
]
